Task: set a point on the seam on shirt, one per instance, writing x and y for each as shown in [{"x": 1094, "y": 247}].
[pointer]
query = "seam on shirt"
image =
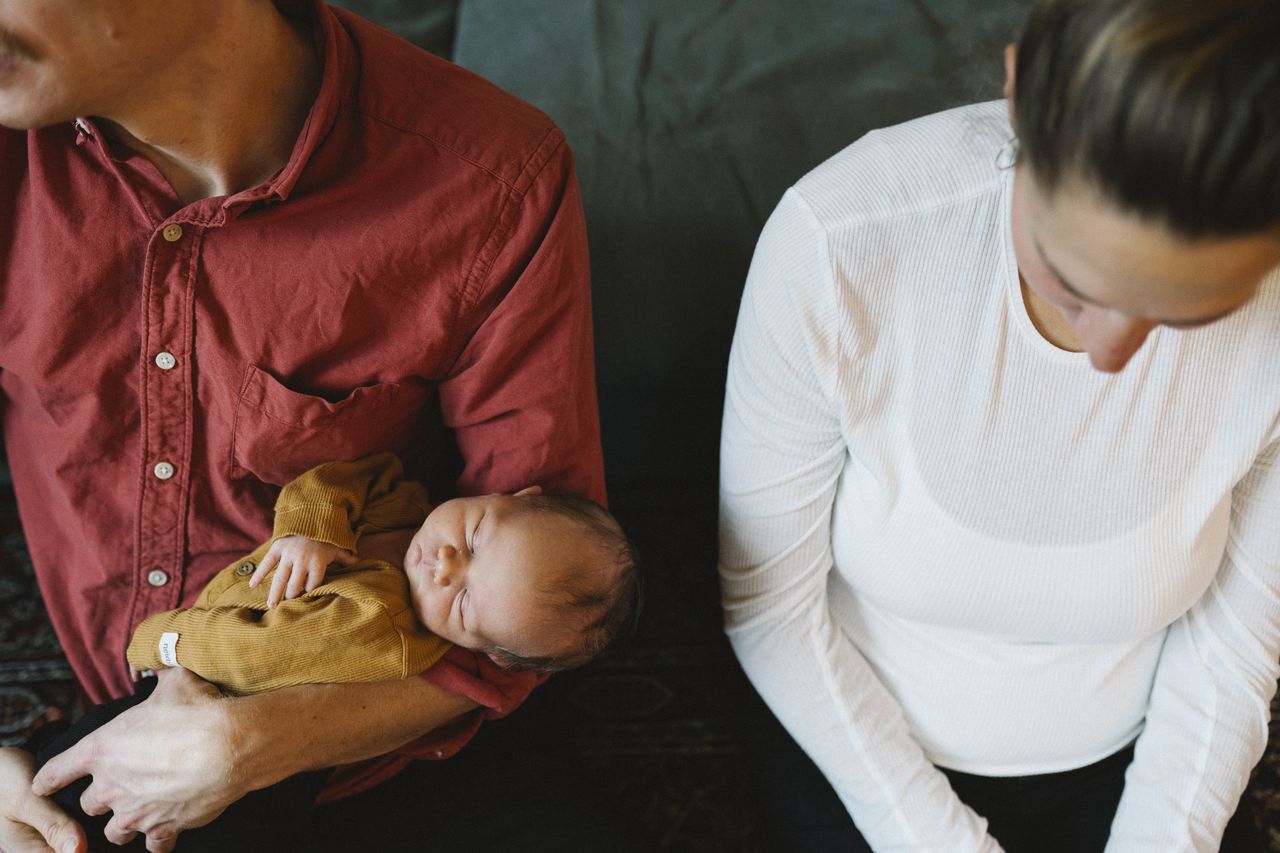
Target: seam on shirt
[
  {"x": 828, "y": 679},
  {"x": 1192, "y": 791},
  {"x": 870, "y": 218},
  {"x": 499, "y": 232},
  {"x": 823, "y": 251},
  {"x": 496, "y": 238},
  {"x": 445, "y": 146}
]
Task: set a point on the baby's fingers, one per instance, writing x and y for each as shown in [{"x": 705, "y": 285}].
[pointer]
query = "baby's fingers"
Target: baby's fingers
[
  {"x": 301, "y": 580},
  {"x": 264, "y": 567},
  {"x": 315, "y": 574},
  {"x": 278, "y": 583}
]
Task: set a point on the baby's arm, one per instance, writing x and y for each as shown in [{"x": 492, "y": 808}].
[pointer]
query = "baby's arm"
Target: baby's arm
[
  {"x": 319, "y": 517},
  {"x": 299, "y": 564}
]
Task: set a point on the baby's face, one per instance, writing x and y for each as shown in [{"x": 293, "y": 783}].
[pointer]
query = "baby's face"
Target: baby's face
[{"x": 478, "y": 570}]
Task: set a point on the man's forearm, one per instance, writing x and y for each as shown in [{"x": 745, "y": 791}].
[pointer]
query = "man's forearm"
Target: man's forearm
[{"x": 283, "y": 732}]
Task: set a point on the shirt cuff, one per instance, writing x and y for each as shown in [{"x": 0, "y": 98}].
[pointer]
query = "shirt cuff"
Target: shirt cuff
[{"x": 462, "y": 672}]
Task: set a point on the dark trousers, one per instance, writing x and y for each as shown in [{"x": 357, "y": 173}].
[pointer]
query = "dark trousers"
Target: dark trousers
[
  {"x": 1067, "y": 812},
  {"x": 513, "y": 788},
  {"x": 273, "y": 819}
]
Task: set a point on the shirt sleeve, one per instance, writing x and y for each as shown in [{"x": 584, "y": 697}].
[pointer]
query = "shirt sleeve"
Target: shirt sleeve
[
  {"x": 782, "y": 454},
  {"x": 1206, "y": 725},
  {"x": 521, "y": 397},
  {"x": 322, "y": 637}
]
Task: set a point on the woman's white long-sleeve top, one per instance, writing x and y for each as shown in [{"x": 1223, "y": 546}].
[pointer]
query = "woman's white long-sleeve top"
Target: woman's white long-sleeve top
[{"x": 945, "y": 541}]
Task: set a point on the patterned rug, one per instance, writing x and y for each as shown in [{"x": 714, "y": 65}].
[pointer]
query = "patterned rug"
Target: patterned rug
[
  {"x": 658, "y": 726},
  {"x": 35, "y": 680}
]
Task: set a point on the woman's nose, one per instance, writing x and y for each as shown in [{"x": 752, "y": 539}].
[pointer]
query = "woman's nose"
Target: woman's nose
[{"x": 1110, "y": 337}]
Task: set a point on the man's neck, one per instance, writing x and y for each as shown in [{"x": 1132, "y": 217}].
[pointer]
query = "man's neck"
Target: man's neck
[{"x": 226, "y": 117}]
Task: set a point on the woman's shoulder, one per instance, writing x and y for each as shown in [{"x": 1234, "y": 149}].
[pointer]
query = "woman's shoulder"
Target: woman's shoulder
[{"x": 938, "y": 159}]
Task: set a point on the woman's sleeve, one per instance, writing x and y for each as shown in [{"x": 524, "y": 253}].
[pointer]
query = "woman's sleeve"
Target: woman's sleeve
[
  {"x": 1206, "y": 724},
  {"x": 782, "y": 454}
]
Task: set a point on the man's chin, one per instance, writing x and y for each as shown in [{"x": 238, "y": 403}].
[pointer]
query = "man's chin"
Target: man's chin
[
  {"x": 22, "y": 110},
  {"x": 16, "y": 118}
]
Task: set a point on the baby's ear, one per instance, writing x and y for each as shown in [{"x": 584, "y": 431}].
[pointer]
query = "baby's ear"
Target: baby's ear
[{"x": 529, "y": 490}]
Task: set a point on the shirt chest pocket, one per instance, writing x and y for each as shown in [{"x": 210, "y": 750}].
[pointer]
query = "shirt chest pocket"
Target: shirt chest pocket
[{"x": 280, "y": 433}]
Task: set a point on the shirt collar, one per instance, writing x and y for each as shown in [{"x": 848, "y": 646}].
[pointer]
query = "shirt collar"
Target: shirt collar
[{"x": 332, "y": 46}]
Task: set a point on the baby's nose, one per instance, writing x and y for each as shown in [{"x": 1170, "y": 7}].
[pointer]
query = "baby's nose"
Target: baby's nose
[{"x": 446, "y": 564}]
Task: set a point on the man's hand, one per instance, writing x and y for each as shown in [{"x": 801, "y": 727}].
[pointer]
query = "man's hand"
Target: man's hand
[
  {"x": 300, "y": 564},
  {"x": 28, "y": 823},
  {"x": 163, "y": 766}
]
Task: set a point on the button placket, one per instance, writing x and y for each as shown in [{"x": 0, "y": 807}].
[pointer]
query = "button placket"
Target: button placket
[{"x": 166, "y": 406}]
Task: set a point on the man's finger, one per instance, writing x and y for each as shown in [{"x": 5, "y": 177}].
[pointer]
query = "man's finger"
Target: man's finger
[
  {"x": 90, "y": 803},
  {"x": 59, "y": 831},
  {"x": 63, "y": 769},
  {"x": 159, "y": 843},
  {"x": 116, "y": 833}
]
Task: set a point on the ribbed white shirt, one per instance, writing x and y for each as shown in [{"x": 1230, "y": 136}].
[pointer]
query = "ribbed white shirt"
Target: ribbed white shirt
[{"x": 946, "y": 541}]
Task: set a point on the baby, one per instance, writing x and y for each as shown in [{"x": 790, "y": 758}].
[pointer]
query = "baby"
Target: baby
[{"x": 533, "y": 581}]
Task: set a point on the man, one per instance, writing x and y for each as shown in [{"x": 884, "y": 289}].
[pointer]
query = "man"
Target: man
[{"x": 239, "y": 238}]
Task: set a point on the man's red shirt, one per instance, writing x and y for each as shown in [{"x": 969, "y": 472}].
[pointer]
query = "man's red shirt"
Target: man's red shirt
[{"x": 420, "y": 261}]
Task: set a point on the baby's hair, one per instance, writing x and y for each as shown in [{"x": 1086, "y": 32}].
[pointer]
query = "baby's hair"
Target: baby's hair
[{"x": 610, "y": 609}]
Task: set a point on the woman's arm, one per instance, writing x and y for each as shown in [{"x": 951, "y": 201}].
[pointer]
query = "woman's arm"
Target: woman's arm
[
  {"x": 782, "y": 454},
  {"x": 1206, "y": 725}
]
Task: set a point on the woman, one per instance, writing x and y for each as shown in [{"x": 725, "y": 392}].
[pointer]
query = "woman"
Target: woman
[{"x": 1000, "y": 476}]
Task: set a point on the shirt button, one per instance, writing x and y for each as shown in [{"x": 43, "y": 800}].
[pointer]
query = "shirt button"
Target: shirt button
[
  {"x": 245, "y": 569},
  {"x": 172, "y": 232},
  {"x": 157, "y": 577},
  {"x": 165, "y": 361},
  {"x": 163, "y": 470}
]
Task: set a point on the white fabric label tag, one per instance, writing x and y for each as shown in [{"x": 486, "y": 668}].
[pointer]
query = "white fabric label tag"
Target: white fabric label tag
[{"x": 169, "y": 648}]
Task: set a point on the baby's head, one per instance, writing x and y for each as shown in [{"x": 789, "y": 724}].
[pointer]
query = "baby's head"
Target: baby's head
[{"x": 534, "y": 581}]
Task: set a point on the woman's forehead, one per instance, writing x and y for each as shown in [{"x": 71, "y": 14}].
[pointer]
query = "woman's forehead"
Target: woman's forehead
[{"x": 1117, "y": 259}]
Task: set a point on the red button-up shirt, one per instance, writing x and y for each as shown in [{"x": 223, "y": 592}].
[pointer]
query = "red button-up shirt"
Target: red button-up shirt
[{"x": 419, "y": 261}]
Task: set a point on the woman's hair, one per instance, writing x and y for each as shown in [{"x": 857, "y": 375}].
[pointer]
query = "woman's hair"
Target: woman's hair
[{"x": 1169, "y": 108}]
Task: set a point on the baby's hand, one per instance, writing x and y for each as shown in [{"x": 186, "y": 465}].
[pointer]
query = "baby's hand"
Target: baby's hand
[{"x": 300, "y": 564}]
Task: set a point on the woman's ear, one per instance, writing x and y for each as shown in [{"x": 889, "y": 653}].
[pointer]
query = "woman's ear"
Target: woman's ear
[{"x": 529, "y": 490}]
